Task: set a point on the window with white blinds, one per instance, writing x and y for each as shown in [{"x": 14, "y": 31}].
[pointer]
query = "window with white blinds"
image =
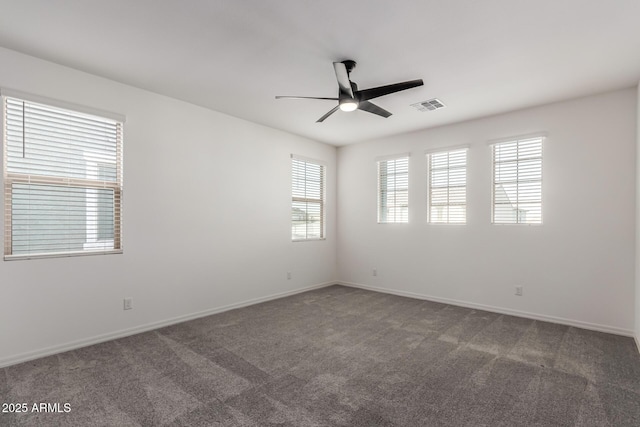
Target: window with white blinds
[
  {"x": 307, "y": 199},
  {"x": 447, "y": 187},
  {"x": 62, "y": 181},
  {"x": 393, "y": 190},
  {"x": 517, "y": 181}
]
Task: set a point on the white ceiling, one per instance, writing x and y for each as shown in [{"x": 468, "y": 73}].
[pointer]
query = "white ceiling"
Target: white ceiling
[{"x": 234, "y": 56}]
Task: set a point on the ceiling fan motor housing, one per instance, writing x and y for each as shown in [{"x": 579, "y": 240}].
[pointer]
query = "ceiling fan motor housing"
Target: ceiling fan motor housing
[
  {"x": 344, "y": 95},
  {"x": 347, "y": 102}
]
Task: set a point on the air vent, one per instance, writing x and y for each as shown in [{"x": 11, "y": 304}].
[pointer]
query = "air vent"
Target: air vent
[{"x": 429, "y": 105}]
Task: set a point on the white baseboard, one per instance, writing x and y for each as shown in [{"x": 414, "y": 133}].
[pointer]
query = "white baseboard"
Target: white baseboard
[
  {"x": 501, "y": 310},
  {"x": 637, "y": 339},
  {"x": 73, "y": 345}
]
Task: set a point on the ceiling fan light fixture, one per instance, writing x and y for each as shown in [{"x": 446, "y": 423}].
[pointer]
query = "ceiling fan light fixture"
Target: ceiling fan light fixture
[{"x": 348, "y": 105}]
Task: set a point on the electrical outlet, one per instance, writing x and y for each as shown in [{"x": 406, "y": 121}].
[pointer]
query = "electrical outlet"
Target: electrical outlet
[
  {"x": 519, "y": 290},
  {"x": 374, "y": 272},
  {"x": 288, "y": 275},
  {"x": 128, "y": 303}
]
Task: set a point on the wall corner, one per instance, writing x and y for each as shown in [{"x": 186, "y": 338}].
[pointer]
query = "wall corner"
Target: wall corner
[{"x": 637, "y": 251}]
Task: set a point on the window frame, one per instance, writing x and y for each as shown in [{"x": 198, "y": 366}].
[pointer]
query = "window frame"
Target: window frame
[
  {"x": 89, "y": 247},
  {"x": 518, "y": 140},
  {"x": 381, "y": 215},
  {"x": 320, "y": 201},
  {"x": 429, "y": 157}
]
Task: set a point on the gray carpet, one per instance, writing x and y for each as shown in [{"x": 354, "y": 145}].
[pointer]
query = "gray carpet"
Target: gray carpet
[{"x": 339, "y": 357}]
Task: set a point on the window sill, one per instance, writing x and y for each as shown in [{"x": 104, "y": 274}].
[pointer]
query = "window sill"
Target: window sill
[{"x": 60, "y": 255}]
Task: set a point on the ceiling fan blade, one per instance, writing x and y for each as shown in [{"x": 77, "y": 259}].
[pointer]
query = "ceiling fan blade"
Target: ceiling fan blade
[
  {"x": 373, "y": 108},
  {"x": 343, "y": 78},
  {"x": 333, "y": 110},
  {"x": 304, "y": 97},
  {"x": 366, "y": 94}
]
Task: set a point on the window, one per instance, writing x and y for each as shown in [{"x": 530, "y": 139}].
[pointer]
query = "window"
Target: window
[
  {"x": 517, "y": 181},
  {"x": 62, "y": 181},
  {"x": 393, "y": 190},
  {"x": 447, "y": 187},
  {"x": 307, "y": 199}
]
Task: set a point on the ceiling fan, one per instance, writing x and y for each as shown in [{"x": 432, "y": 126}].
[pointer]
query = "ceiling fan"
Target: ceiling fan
[{"x": 350, "y": 98}]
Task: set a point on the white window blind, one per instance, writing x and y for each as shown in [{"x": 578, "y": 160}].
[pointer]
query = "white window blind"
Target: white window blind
[
  {"x": 393, "y": 190},
  {"x": 62, "y": 181},
  {"x": 307, "y": 201},
  {"x": 517, "y": 181},
  {"x": 447, "y": 187}
]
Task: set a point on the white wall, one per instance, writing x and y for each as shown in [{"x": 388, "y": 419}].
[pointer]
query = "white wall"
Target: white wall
[
  {"x": 577, "y": 268},
  {"x": 206, "y": 221}
]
